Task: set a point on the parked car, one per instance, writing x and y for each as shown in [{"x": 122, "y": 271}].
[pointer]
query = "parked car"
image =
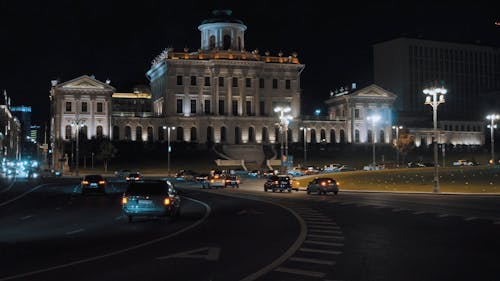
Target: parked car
[
  {"x": 151, "y": 198},
  {"x": 135, "y": 176},
  {"x": 463, "y": 162},
  {"x": 232, "y": 181},
  {"x": 346, "y": 168},
  {"x": 278, "y": 182},
  {"x": 93, "y": 183},
  {"x": 322, "y": 186}
]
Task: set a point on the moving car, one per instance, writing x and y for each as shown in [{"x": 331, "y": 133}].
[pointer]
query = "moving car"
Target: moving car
[
  {"x": 279, "y": 182},
  {"x": 232, "y": 181},
  {"x": 322, "y": 186},
  {"x": 463, "y": 162},
  {"x": 151, "y": 198},
  {"x": 135, "y": 176},
  {"x": 217, "y": 180},
  {"x": 93, "y": 183}
]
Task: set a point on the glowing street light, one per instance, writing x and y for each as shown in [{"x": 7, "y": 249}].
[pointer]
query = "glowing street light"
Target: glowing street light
[
  {"x": 78, "y": 123},
  {"x": 373, "y": 119},
  {"x": 492, "y": 126},
  {"x": 284, "y": 121},
  {"x": 435, "y": 97},
  {"x": 168, "y": 147},
  {"x": 304, "y": 130},
  {"x": 397, "y": 128}
]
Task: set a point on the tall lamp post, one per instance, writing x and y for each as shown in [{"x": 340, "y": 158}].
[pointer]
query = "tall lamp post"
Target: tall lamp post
[
  {"x": 492, "y": 126},
  {"x": 304, "y": 130},
  {"x": 397, "y": 128},
  {"x": 169, "y": 149},
  {"x": 284, "y": 121},
  {"x": 435, "y": 97},
  {"x": 77, "y": 123},
  {"x": 373, "y": 119}
]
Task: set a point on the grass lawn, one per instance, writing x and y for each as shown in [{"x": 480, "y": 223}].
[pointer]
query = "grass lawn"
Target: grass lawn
[{"x": 480, "y": 179}]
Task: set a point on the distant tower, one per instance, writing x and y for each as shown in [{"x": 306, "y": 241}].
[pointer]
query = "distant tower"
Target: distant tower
[{"x": 222, "y": 32}]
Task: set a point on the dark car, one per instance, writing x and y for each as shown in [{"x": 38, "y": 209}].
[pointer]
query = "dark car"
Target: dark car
[
  {"x": 232, "y": 181},
  {"x": 151, "y": 198},
  {"x": 131, "y": 177},
  {"x": 186, "y": 175},
  {"x": 93, "y": 183},
  {"x": 279, "y": 182},
  {"x": 322, "y": 186}
]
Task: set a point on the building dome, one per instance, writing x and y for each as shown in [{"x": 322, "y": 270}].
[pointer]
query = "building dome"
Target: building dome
[{"x": 222, "y": 32}]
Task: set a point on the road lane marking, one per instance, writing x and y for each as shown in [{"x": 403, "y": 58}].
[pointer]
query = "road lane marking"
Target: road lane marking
[
  {"x": 323, "y": 227},
  {"x": 316, "y": 261},
  {"x": 301, "y": 272},
  {"x": 9, "y": 187},
  {"x": 443, "y": 216},
  {"x": 324, "y": 243},
  {"x": 419, "y": 213},
  {"x": 310, "y": 250},
  {"x": 326, "y": 236},
  {"x": 470, "y": 218},
  {"x": 321, "y": 223},
  {"x": 325, "y": 231},
  {"x": 212, "y": 254},
  {"x": 319, "y": 220},
  {"x": 74, "y": 231},
  {"x": 27, "y": 217},
  {"x": 114, "y": 253},
  {"x": 21, "y": 195},
  {"x": 398, "y": 210}
]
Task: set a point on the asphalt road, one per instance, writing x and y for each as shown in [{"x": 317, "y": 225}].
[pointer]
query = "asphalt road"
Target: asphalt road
[{"x": 50, "y": 232}]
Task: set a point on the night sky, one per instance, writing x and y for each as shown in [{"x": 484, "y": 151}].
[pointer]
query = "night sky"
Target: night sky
[{"x": 46, "y": 40}]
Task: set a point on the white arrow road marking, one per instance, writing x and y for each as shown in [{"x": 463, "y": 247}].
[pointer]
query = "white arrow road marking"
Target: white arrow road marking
[{"x": 212, "y": 254}]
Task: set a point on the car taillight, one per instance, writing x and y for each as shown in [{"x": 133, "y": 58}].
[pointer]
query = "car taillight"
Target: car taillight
[
  {"x": 127, "y": 178},
  {"x": 167, "y": 201},
  {"x": 323, "y": 183},
  {"x": 124, "y": 200},
  {"x": 102, "y": 182},
  {"x": 276, "y": 182},
  {"x": 85, "y": 182}
]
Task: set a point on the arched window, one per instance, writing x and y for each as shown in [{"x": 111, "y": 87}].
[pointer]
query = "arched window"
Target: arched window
[
  {"x": 223, "y": 134},
  {"x": 161, "y": 133},
  {"x": 332, "y": 136},
  {"x": 313, "y": 136},
  {"x": 150, "y": 134},
  {"x": 251, "y": 134},
  {"x": 382, "y": 136},
  {"x": 356, "y": 135},
  {"x": 180, "y": 134},
  {"x": 67, "y": 134},
  {"x": 237, "y": 135},
  {"x": 116, "y": 133},
  {"x": 138, "y": 133},
  {"x": 210, "y": 134},
  {"x": 369, "y": 136},
  {"x": 83, "y": 133},
  {"x": 193, "y": 134},
  {"x": 289, "y": 135},
  {"x": 128, "y": 133},
  {"x": 227, "y": 42},
  {"x": 342, "y": 136},
  {"x": 98, "y": 131},
  {"x": 265, "y": 135},
  {"x": 323, "y": 134},
  {"x": 277, "y": 135},
  {"x": 211, "y": 42}
]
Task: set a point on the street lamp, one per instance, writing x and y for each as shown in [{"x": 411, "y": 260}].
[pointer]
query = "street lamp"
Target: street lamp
[
  {"x": 284, "y": 121},
  {"x": 169, "y": 149},
  {"x": 77, "y": 123},
  {"x": 304, "y": 130},
  {"x": 397, "y": 128},
  {"x": 435, "y": 97},
  {"x": 492, "y": 126},
  {"x": 374, "y": 119}
]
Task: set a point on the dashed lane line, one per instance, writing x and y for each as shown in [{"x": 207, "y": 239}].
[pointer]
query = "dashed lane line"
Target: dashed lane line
[
  {"x": 310, "y": 250},
  {"x": 323, "y": 227},
  {"x": 333, "y": 244},
  {"x": 27, "y": 217},
  {"x": 470, "y": 219},
  {"x": 75, "y": 231},
  {"x": 443, "y": 216},
  {"x": 316, "y": 261},
  {"x": 419, "y": 213},
  {"x": 301, "y": 272},
  {"x": 333, "y": 237},
  {"x": 320, "y": 223},
  {"x": 325, "y": 231}
]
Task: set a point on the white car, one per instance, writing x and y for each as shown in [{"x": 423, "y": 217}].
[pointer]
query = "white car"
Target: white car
[{"x": 463, "y": 162}]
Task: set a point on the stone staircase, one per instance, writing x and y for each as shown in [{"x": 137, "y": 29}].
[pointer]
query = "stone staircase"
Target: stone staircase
[{"x": 252, "y": 154}]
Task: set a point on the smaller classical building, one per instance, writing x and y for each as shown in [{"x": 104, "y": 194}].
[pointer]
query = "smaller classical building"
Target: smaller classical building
[{"x": 10, "y": 131}]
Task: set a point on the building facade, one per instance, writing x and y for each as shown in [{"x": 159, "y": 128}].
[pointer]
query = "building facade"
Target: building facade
[{"x": 406, "y": 66}]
